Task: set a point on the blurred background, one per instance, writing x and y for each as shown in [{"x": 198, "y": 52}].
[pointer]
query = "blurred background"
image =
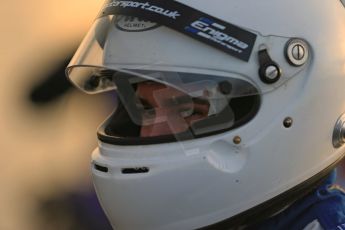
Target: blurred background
[{"x": 48, "y": 129}]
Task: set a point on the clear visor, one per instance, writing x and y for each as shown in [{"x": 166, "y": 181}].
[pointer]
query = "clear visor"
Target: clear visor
[{"x": 128, "y": 44}]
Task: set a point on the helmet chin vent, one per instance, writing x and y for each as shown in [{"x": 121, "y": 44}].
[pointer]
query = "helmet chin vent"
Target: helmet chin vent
[
  {"x": 101, "y": 168},
  {"x": 138, "y": 170}
]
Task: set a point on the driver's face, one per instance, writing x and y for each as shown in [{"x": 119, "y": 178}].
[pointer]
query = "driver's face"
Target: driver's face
[{"x": 174, "y": 111}]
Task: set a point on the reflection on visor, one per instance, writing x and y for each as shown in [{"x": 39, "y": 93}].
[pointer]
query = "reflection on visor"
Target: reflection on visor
[{"x": 197, "y": 106}]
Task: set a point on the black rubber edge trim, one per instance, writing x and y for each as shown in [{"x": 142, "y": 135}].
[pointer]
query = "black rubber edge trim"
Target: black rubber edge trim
[{"x": 116, "y": 140}]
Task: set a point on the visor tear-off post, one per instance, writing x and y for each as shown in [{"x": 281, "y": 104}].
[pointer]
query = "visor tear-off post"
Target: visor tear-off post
[
  {"x": 205, "y": 28},
  {"x": 269, "y": 71}
]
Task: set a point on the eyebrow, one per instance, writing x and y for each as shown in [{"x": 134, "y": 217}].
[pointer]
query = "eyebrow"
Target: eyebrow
[{"x": 144, "y": 102}]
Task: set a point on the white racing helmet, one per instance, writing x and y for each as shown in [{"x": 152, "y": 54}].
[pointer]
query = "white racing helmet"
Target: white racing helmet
[{"x": 226, "y": 111}]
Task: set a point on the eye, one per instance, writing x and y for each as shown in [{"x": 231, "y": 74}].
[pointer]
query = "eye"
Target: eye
[
  {"x": 145, "y": 104},
  {"x": 149, "y": 111},
  {"x": 198, "y": 112},
  {"x": 201, "y": 107}
]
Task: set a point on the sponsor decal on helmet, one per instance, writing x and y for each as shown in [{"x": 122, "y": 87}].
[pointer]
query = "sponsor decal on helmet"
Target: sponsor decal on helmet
[
  {"x": 134, "y": 24},
  {"x": 145, "y": 6},
  {"x": 211, "y": 30},
  {"x": 205, "y": 28}
]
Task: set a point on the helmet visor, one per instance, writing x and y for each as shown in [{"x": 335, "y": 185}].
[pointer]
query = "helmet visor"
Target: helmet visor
[
  {"x": 170, "y": 86},
  {"x": 125, "y": 43}
]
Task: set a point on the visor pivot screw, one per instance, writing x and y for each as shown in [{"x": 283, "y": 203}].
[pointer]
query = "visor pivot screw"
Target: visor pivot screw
[
  {"x": 288, "y": 122},
  {"x": 237, "y": 140},
  {"x": 272, "y": 72},
  {"x": 269, "y": 71},
  {"x": 297, "y": 52},
  {"x": 339, "y": 132}
]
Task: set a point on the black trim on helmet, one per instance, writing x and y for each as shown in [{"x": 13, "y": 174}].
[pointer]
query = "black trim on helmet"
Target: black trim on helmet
[{"x": 119, "y": 129}]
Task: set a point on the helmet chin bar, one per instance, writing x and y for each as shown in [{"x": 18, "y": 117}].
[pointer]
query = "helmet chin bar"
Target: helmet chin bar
[{"x": 267, "y": 209}]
